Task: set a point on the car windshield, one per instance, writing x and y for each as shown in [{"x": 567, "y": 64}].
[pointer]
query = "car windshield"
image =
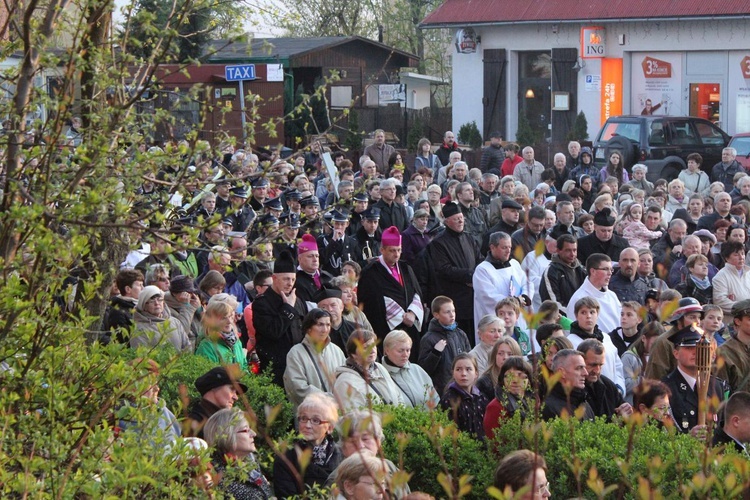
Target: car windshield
[
  {"x": 742, "y": 145},
  {"x": 710, "y": 135}
]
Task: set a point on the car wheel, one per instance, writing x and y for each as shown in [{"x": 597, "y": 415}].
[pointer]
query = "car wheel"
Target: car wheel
[
  {"x": 671, "y": 172},
  {"x": 624, "y": 146}
]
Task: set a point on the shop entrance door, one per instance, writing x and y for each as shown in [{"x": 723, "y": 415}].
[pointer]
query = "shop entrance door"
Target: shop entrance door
[{"x": 705, "y": 101}]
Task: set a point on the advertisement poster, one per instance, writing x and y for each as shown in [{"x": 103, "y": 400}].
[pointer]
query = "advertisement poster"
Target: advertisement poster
[
  {"x": 739, "y": 82},
  {"x": 611, "y": 93},
  {"x": 655, "y": 84}
]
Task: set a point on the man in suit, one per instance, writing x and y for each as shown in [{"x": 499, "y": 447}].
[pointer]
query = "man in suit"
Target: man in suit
[{"x": 735, "y": 430}]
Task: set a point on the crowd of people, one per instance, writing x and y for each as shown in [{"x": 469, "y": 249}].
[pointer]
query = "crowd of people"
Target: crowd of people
[{"x": 438, "y": 285}]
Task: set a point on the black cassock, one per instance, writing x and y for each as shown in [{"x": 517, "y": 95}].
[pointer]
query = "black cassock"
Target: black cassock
[{"x": 383, "y": 297}]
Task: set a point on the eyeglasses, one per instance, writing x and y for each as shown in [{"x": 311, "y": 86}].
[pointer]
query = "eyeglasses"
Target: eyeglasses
[
  {"x": 543, "y": 489},
  {"x": 605, "y": 269},
  {"x": 158, "y": 298},
  {"x": 313, "y": 420}
]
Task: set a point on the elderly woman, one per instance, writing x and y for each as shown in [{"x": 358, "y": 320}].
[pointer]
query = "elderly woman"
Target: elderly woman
[
  {"x": 351, "y": 311},
  {"x": 434, "y": 194},
  {"x": 514, "y": 393},
  {"x": 228, "y": 432},
  {"x": 157, "y": 275},
  {"x": 361, "y": 477},
  {"x": 317, "y": 416},
  {"x": 153, "y": 322},
  {"x": 502, "y": 350},
  {"x": 361, "y": 379},
  {"x": 413, "y": 382},
  {"x": 361, "y": 432},
  {"x": 221, "y": 342},
  {"x": 311, "y": 364},
  {"x": 490, "y": 329},
  {"x": 522, "y": 470}
]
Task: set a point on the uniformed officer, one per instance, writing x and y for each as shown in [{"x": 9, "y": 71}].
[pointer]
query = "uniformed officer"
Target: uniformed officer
[
  {"x": 683, "y": 382},
  {"x": 336, "y": 248},
  {"x": 239, "y": 212}
]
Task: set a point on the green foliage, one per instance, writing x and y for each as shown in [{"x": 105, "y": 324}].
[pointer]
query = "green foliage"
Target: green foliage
[
  {"x": 416, "y": 132},
  {"x": 469, "y": 134},
  {"x": 580, "y": 130},
  {"x": 525, "y": 136},
  {"x": 353, "y": 139},
  {"x": 591, "y": 457},
  {"x": 264, "y": 398},
  {"x": 427, "y": 444}
]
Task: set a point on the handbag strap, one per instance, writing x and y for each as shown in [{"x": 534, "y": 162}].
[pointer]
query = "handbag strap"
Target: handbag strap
[{"x": 317, "y": 368}]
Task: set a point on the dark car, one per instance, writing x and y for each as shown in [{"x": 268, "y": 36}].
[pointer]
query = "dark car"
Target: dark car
[
  {"x": 741, "y": 143},
  {"x": 662, "y": 143}
]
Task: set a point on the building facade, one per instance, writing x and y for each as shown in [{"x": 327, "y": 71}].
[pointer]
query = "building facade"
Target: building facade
[{"x": 546, "y": 62}]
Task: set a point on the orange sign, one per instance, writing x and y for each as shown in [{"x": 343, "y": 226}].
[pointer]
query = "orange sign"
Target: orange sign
[
  {"x": 611, "y": 97},
  {"x": 656, "y": 68},
  {"x": 745, "y": 66}
]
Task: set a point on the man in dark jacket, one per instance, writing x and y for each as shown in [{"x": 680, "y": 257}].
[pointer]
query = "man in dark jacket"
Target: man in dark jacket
[
  {"x": 493, "y": 155},
  {"x": 449, "y": 145},
  {"x": 474, "y": 223},
  {"x": 603, "y": 239},
  {"x": 734, "y": 432},
  {"x": 391, "y": 212},
  {"x": 218, "y": 391},
  {"x": 118, "y": 317},
  {"x": 724, "y": 170},
  {"x": 668, "y": 249},
  {"x": 454, "y": 256},
  {"x": 625, "y": 282},
  {"x": 564, "y": 275},
  {"x": 277, "y": 318},
  {"x": 569, "y": 393},
  {"x": 601, "y": 393}
]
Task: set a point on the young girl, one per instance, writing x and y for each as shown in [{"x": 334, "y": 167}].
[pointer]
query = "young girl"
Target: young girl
[
  {"x": 633, "y": 228},
  {"x": 464, "y": 402},
  {"x": 502, "y": 350}
]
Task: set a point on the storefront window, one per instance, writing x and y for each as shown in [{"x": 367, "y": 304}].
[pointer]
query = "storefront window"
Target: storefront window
[{"x": 534, "y": 88}]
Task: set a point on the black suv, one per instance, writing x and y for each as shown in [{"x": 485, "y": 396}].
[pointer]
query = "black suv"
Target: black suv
[{"x": 662, "y": 143}]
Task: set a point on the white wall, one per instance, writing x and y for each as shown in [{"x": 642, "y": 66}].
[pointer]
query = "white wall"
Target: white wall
[{"x": 468, "y": 89}]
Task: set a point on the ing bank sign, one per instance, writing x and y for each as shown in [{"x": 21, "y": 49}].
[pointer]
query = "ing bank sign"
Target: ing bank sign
[{"x": 593, "y": 42}]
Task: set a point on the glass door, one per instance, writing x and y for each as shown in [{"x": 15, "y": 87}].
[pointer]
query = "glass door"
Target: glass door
[{"x": 705, "y": 101}]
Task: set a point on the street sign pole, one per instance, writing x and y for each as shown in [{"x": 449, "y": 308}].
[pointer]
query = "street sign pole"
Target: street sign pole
[{"x": 242, "y": 112}]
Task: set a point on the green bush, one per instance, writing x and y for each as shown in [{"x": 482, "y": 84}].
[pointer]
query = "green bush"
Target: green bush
[
  {"x": 594, "y": 459},
  {"x": 416, "y": 132},
  {"x": 469, "y": 134},
  {"x": 525, "y": 135},
  {"x": 427, "y": 444},
  {"x": 580, "y": 130},
  {"x": 263, "y": 396}
]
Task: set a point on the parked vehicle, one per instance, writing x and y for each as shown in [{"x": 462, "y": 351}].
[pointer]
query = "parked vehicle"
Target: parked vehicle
[
  {"x": 662, "y": 143},
  {"x": 741, "y": 142}
]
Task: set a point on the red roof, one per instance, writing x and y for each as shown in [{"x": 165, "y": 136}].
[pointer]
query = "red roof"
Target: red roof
[{"x": 467, "y": 12}]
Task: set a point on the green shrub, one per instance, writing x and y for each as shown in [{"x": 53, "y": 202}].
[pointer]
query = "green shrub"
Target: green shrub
[
  {"x": 264, "y": 397},
  {"x": 580, "y": 130},
  {"x": 593, "y": 459},
  {"x": 416, "y": 132},
  {"x": 525, "y": 135},
  {"x": 427, "y": 444},
  {"x": 469, "y": 134}
]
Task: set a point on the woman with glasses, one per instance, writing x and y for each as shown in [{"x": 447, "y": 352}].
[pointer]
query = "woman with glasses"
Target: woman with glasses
[
  {"x": 311, "y": 364},
  {"x": 651, "y": 399},
  {"x": 522, "y": 474},
  {"x": 361, "y": 477},
  {"x": 240, "y": 475},
  {"x": 317, "y": 416},
  {"x": 154, "y": 325}
]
